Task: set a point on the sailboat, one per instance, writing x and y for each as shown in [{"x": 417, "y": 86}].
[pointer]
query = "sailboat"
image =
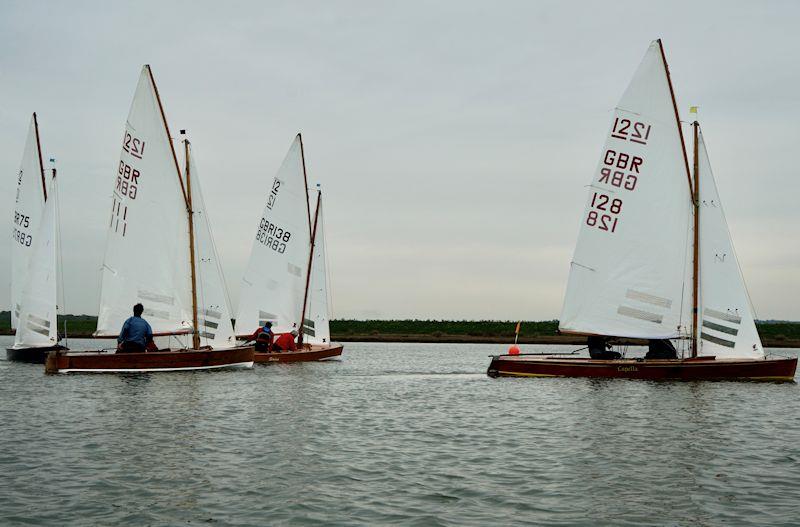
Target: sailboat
[
  {"x": 152, "y": 257},
  {"x": 286, "y": 278},
  {"x": 34, "y": 286},
  {"x": 654, "y": 258}
]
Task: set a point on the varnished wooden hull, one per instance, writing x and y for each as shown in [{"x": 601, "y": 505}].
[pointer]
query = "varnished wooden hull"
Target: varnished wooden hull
[
  {"x": 31, "y": 355},
  {"x": 778, "y": 369},
  {"x": 154, "y": 361},
  {"x": 310, "y": 354}
]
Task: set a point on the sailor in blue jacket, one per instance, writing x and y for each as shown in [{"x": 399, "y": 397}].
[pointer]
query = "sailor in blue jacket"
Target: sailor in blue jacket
[{"x": 135, "y": 334}]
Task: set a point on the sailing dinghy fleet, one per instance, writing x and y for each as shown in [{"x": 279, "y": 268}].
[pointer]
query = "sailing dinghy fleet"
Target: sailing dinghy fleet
[
  {"x": 654, "y": 259},
  {"x": 159, "y": 252}
]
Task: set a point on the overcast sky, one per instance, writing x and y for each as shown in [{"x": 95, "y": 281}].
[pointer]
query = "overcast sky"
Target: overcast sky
[{"x": 453, "y": 140}]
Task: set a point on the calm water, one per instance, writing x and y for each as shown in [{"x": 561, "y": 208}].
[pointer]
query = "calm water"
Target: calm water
[{"x": 394, "y": 434}]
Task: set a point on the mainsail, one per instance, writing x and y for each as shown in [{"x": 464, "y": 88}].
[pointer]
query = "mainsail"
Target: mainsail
[
  {"x": 213, "y": 311},
  {"x": 628, "y": 271},
  {"x": 38, "y": 324},
  {"x": 273, "y": 286},
  {"x": 28, "y": 207},
  {"x": 316, "y": 325},
  {"x": 146, "y": 258},
  {"x": 727, "y": 326}
]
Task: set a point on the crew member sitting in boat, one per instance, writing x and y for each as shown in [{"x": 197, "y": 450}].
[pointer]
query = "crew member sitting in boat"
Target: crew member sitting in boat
[
  {"x": 285, "y": 342},
  {"x": 600, "y": 349},
  {"x": 661, "y": 349},
  {"x": 263, "y": 337},
  {"x": 136, "y": 333}
]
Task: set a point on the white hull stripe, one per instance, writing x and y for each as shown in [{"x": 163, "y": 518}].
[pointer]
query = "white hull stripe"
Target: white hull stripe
[{"x": 148, "y": 370}]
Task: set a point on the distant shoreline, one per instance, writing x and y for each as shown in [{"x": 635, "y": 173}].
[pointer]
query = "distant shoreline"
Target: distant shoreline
[{"x": 477, "y": 339}]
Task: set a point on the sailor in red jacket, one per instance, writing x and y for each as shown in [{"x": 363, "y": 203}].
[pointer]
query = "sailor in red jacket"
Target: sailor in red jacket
[{"x": 285, "y": 341}]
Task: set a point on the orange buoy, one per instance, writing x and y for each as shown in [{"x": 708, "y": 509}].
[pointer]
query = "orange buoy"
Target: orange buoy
[{"x": 513, "y": 350}]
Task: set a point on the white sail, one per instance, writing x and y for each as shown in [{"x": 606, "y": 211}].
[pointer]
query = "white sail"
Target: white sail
[
  {"x": 28, "y": 209},
  {"x": 274, "y": 283},
  {"x": 147, "y": 256},
  {"x": 727, "y": 327},
  {"x": 627, "y": 273},
  {"x": 316, "y": 326},
  {"x": 213, "y": 311},
  {"x": 38, "y": 323}
]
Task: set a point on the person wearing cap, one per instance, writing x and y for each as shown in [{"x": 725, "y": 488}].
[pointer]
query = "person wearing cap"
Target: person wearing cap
[{"x": 285, "y": 341}]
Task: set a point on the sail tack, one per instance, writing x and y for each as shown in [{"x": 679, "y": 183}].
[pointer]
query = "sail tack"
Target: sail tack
[
  {"x": 28, "y": 208},
  {"x": 146, "y": 258},
  {"x": 727, "y": 326},
  {"x": 316, "y": 325},
  {"x": 37, "y": 322},
  {"x": 273, "y": 286},
  {"x": 213, "y": 312},
  {"x": 628, "y": 271}
]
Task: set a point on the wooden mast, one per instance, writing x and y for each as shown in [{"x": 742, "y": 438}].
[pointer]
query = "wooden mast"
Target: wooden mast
[
  {"x": 305, "y": 179},
  {"x": 677, "y": 115},
  {"x": 39, "y": 149},
  {"x": 190, "y": 213},
  {"x": 308, "y": 272},
  {"x": 696, "y": 242}
]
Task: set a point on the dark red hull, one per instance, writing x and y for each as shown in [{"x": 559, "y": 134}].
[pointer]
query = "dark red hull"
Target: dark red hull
[
  {"x": 779, "y": 369},
  {"x": 314, "y": 353},
  {"x": 31, "y": 355},
  {"x": 101, "y": 362}
]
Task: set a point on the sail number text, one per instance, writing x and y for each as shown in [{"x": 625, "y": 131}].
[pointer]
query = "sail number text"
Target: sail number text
[
  {"x": 133, "y": 145},
  {"x": 633, "y": 131},
  {"x": 23, "y": 221},
  {"x": 604, "y": 212},
  {"x": 621, "y": 170},
  {"x": 273, "y": 193},
  {"x": 273, "y": 236},
  {"x": 127, "y": 180}
]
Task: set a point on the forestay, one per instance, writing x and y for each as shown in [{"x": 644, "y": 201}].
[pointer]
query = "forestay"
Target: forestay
[
  {"x": 628, "y": 271},
  {"x": 147, "y": 257},
  {"x": 38, "y": 323},
  {"x": 213, "y": 312},
  {"x": 316, "y": 326},
  {"x": 273, "y": 285},
  {"x": 28, "y": 209},
  {"x": 727, "y": 326}
]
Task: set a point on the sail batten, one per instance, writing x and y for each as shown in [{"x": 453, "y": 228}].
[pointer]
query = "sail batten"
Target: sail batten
[{"x": 628, "y": 270}]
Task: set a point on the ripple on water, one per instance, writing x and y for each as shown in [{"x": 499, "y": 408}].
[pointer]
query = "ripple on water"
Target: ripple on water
[{"x": 393, "y": 434}]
